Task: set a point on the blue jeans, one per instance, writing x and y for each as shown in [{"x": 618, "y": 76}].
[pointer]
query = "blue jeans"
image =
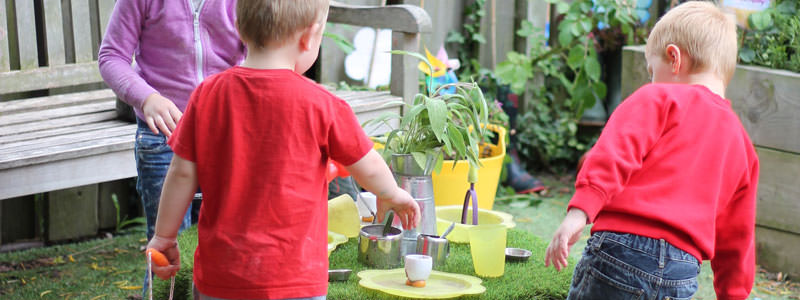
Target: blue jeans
[
  {"x": 628, "y": 266},
  {"x": 153, "y": 157}
]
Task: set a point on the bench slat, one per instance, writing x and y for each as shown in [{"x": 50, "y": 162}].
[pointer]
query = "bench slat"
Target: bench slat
[
  {"x": 39, "y": 103},
  {"x": 54, "y": 31},
  {"x": 56, "y": 113},
  {"x": 21, "y": 149},
  {"x": 43, "y": 125},
  {"x": 26, "y": 35},
  {"x": 104, "y": 8},
  {"x": 80, "y": 149},
  {"x": 82, "y": 31},
  {"x": 67, "y": 173},
  {"x": 4, "y": 59},
  {"x": 33, "y": 136},
  {"x": 48, "y": 78}
]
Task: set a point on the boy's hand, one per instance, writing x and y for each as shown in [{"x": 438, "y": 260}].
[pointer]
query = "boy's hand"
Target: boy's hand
[
  {"x": 566, "y": 235},
  {"x": 169, "y": 247},
  {"x": 160, "y": 114},
  {"x": 405, "y": 208}
]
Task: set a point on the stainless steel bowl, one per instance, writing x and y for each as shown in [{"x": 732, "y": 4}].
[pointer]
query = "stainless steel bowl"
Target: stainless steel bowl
[
  {"x": 339, "y": 275},
  {"x": 378, "y": 251},
  {"x": 517, "y": 254}
]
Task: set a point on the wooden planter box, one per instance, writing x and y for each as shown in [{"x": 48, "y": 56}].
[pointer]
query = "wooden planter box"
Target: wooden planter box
[{"x": 768, "y": 104}]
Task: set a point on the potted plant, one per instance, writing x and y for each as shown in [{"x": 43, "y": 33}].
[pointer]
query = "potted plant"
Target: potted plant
[{"x": 434, "y": 125}]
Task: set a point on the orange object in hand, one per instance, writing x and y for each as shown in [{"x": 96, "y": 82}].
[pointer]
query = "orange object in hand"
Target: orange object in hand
[{"x": 157, "y": 257}]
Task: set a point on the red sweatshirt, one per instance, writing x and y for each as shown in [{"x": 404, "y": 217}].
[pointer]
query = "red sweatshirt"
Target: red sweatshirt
[{"x": 675, "y": 163}]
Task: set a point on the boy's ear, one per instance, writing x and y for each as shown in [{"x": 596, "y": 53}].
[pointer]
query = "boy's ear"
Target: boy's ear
[
  {"x": 308, "y": 36},
  {"x": 675, "y": 58}
]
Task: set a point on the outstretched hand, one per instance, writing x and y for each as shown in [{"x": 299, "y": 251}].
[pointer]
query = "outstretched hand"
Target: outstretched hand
[
  {"x": 405, "y": 208},
  {"x": 169, "y": 247},
  {"x": 161, "y": 114},
  {"x": 566, "y": 235}
]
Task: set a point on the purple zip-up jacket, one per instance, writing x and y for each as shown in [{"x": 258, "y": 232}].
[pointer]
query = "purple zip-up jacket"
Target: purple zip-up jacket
[{"x": 174, "y": 45}]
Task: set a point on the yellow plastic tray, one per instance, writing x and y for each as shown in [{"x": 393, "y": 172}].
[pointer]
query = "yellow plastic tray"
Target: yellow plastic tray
[
  {"x": 334, "y": 240},
  {"x": 439, "y": 285}
]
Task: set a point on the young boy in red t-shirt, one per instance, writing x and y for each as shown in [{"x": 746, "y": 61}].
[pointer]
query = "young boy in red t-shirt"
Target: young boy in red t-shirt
[
  {"x": 672, "y": 179},
  {"x": 257, "y": 138}
]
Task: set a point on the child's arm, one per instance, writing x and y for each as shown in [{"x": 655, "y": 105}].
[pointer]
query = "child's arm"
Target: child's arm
[
  {"x": 566, "y": 235},
  {"x": 115, "y": 57},
  {"x": 734, "y": 250},
  {"x": 179, "y": 188},
  {"x": 372, "y": 173}
]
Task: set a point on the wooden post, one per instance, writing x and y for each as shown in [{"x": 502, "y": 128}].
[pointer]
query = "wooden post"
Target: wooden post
[
  {"x": 72, "y": 213},
  {"x": 106, "y": 211},
  {"x": 406, "y": 85},
  {"x": 18, "y": 219},
  {"x": 4, "y": 51}
]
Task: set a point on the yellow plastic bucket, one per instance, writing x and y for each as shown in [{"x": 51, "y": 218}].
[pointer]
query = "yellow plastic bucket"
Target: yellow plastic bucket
[{"x": 450, "y": 185}]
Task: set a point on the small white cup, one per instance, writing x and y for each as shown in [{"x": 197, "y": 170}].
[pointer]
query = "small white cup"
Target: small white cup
[
  {"x": 371, "y": 201},
  {"x": 418, "y": 267}
]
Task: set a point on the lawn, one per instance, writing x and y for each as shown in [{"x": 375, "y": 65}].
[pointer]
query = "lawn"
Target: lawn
[{"x": 112, "y": 268}]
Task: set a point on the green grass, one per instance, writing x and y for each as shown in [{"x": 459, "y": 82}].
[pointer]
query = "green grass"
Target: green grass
[
  {"x": 99, "y": 269},
  {"x": 113, "y": 268},
  {"x": 529, "y": 280}
]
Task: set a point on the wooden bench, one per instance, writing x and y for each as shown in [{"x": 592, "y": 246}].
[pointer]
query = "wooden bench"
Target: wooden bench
[{"x": 58, "y": 124}]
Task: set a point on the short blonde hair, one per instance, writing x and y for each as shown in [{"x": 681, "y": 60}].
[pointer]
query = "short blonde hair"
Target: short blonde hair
[
  {"x": 700, "y": 30},
  {"x": 266, "y": 22}
]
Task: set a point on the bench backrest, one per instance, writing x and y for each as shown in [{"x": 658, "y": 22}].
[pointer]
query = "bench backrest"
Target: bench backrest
[{"x": 51, "y": 45}]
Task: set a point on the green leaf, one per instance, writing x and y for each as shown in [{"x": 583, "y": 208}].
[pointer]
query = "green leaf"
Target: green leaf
[
  {"x": 410, "y": 115},
  {"x": 564, "y": 38},
  {"x": 760, "y": 20},
  {"x": 421, "y": 158},
  {"x": 592, "y": 67},
  {"x": 414, "y": 54},
  {"x": 576, "y": 56},
  {"x": 787, "y": 7},
  {"x": 527, "y": 29},
  {"x": 457, "y": 138},
  {"x": 341, "y": 42},
  {"x": 599, "y": 89},
  {"x": 455, "y": 37},
  {"x": 562, "y": 7},
  {"x": 586, "y": 24},
  {"x": 747, "y": 55},
  {"x": 479, "y": 38},
  {"x": 437, "y": 114}
]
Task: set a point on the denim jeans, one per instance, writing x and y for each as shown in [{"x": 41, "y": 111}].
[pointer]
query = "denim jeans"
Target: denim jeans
[
  {"x": 153, "y": 157},
  {"x": 628, "y": 266}
]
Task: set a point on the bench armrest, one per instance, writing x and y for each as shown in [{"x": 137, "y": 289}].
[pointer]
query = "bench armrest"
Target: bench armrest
[{"x": 404, "y": 18}]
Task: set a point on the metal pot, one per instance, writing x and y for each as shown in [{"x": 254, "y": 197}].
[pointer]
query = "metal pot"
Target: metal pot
[
  {"x": 378, "y": 251},
  {"x": 434, "y": 246}
]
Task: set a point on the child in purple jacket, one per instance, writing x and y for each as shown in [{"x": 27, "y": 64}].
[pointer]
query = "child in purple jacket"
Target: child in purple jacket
[{"x": 153, "y": 55}]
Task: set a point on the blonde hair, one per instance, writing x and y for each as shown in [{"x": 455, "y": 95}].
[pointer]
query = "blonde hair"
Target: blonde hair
[
  {"x": 700, "y": 30},
  {"x": 273, "y": 22}
]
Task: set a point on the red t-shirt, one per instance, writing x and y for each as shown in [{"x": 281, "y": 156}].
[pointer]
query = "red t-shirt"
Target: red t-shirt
[
  {"x": 674, "y": 162},
  {"x": 261, "y": 140}
]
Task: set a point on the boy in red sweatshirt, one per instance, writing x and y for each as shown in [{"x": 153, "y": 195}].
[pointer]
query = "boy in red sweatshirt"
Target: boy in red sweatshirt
[{"x": 672, "y": 180}]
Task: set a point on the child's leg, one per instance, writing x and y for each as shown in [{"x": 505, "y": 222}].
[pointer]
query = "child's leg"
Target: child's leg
[
  {"x": 627, "y": 266},
  {"x": 153, "y": 156}
]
